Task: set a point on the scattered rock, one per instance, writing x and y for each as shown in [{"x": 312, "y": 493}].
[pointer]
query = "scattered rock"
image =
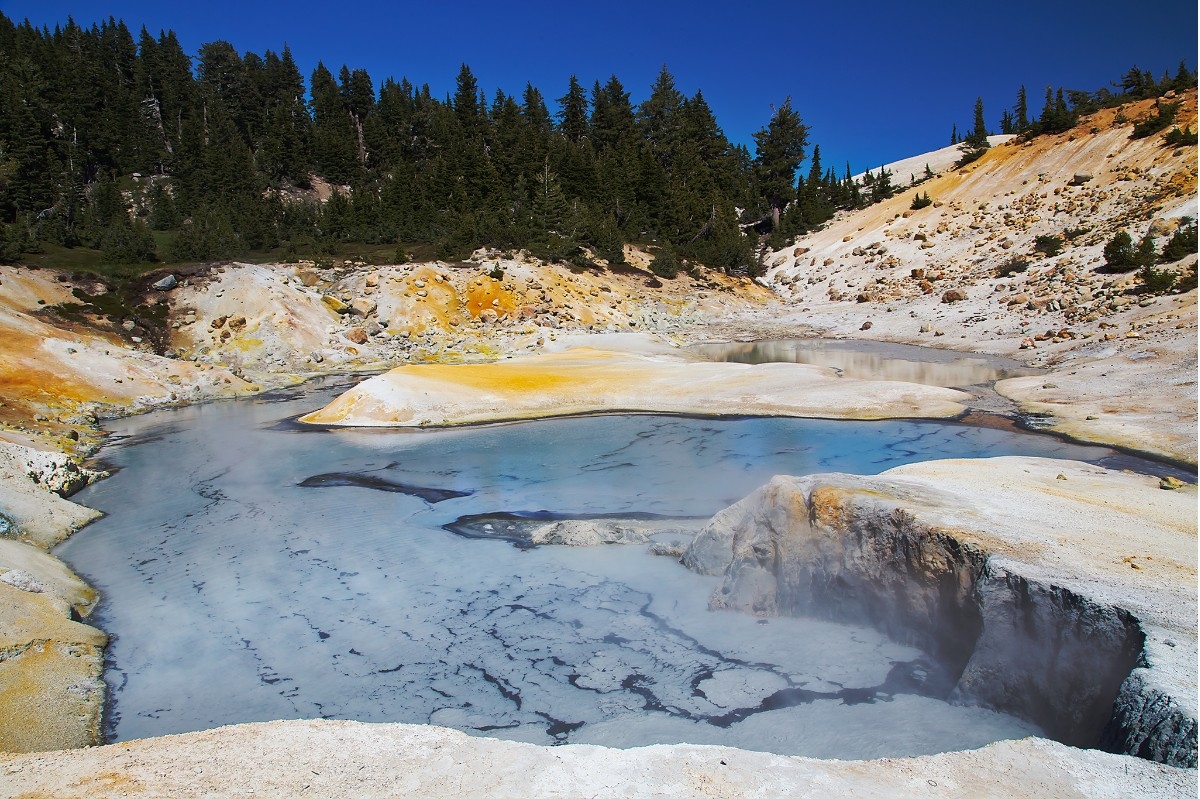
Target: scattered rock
[
  {"x": 167, "y": 283},
  {"x": 357, "y": 335},
  {"x": 866, "y": 325},
  {"x": 363, "y": 306},
  {"x": 954, "y": 295},
  {"x": 23, "y": 581},
  {"x": 335, "y": 305},
  {"x": 1170, "y": 483}
]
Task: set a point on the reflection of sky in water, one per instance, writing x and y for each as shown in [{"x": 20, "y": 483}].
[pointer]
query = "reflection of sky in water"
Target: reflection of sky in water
[
  {"x": 873, "y": 360},
  {"x": 237, "y": 595}
]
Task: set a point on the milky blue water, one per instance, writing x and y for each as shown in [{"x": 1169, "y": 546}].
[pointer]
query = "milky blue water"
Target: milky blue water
[{"x": 234, "y": 593}]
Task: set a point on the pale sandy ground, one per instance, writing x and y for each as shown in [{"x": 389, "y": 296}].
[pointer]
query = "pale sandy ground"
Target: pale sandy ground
[
  {"x": 343, "y": 759},
  {"x": 1127, "y": 360}
]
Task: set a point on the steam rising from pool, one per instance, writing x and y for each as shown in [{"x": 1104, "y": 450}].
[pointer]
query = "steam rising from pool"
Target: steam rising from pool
[{"x": 251, "y": 571}]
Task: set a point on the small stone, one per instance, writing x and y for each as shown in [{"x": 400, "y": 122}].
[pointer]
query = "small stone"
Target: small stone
[
  {"x": 335, "y": 305},
  {"x": 363, "y": 306},
  {"x": 1090, "y": 418},
  {"x": 1049, "y": 385},
  {"x": 357, "y": 335},
  {"x": 24, "y": 581},
  {"x": 1061, "y": 476},
  {"x": 1170, "y": 483},
  {"x": 866, "y": 325},
  {"x": 167, "y": 283}
]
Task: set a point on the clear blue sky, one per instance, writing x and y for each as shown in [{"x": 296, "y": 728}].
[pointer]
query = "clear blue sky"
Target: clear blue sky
[{"x": 875, "y": 81}]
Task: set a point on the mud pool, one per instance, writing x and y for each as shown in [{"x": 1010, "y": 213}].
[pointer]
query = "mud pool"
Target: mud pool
[{"x": 252, "y": 570}]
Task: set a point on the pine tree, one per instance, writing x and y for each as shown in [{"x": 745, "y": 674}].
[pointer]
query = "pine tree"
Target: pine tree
[
  {"x": 976, "y": 143},
  {"x": 1021, "y": 123},
  {"x": 658, "y": 118},
  {"x": 573, "y": 113},
  {"x": 780, "y": 150}
]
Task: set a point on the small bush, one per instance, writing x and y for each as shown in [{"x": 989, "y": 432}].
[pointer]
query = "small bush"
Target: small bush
[
  {"x": 1182, "y": 243},
  {"x": 1156, "y": 281},
  {"x": 919, "y": 202},
  {"x": 1187, "y": 281},
  {"x": 1075, "y": 232},
  {"x": 665, "y": 264},
  {"x": 1151, "y": 125},
  {"x": 496, "y": 273},
  {"x": 1013, "y": 266},
  {"x": 1049, "y": 246},
  {"x": 1119, "y": 255},
  {"x": 1180, "y": 138}
]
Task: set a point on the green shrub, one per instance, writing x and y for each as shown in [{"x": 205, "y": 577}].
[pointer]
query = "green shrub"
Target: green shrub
[
  {"x": 665, "y": 264},
  {"x": 1180, "y": 138},
  {"x": 1119, "y": 255},
  {"x": 1015, "y": 265},
  {"x": 1156, "y": 281},
  {"x": 1049, "y": 246},
  {"x": 1160, "y": 121},
  {"x": 1182, "y": 244},
  {"x": 919, "y": 202}
]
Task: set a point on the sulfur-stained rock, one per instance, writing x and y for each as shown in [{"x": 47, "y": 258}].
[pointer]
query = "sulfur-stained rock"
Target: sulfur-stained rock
[{"x": 51, "y": 691}]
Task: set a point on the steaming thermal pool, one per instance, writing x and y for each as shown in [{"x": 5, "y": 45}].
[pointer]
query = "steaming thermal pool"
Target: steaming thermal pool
[{"x": 234, "y": 593}]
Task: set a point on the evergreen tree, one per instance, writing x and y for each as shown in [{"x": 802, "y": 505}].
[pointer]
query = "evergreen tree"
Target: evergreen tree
[
  {"x": 573, "y": 113},
  {"x": 1021, "y": 123},
  {"x": 780, "y": 150},
  {"x": 658, "y": 118},
  {"x": 976, "y": 143},
  {"x": 334, "y": 139}
]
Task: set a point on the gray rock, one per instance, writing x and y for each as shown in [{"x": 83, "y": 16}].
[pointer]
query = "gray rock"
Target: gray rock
[{"x": 167, "y": 283}]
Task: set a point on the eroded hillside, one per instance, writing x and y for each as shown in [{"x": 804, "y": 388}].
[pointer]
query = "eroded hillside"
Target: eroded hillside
[{"x": 966, "y": 273}]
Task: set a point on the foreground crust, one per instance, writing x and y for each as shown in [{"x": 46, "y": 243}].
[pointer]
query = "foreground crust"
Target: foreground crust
[
  {"x": 337, "y": 759},
  {"x": 587, "y": 380}
]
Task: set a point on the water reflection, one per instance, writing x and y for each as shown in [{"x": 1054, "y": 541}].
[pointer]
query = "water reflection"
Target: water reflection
[{"x": 873, "y": 360}]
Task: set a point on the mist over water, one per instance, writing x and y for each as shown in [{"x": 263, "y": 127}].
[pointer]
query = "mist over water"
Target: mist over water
[{"x": 235, "y": 592}]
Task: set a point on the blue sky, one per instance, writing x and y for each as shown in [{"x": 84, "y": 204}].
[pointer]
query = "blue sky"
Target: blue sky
[{"x": 875, "y": 81}]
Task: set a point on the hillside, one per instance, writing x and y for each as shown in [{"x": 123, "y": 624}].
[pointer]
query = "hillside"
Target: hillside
[{"x": 965, "y": 274}]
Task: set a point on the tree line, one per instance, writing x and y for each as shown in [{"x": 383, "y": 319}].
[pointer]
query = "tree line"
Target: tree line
[
  {"x": 224, "y": 144},
  {"x": 228, "y": 149}
]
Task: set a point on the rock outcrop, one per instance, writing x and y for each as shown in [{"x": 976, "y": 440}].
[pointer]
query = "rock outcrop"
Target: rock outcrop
[
  {"x": 1037, "y": 613},
  {"x": 51, "y": 690},
  {"x": 344, "y": 759}
]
